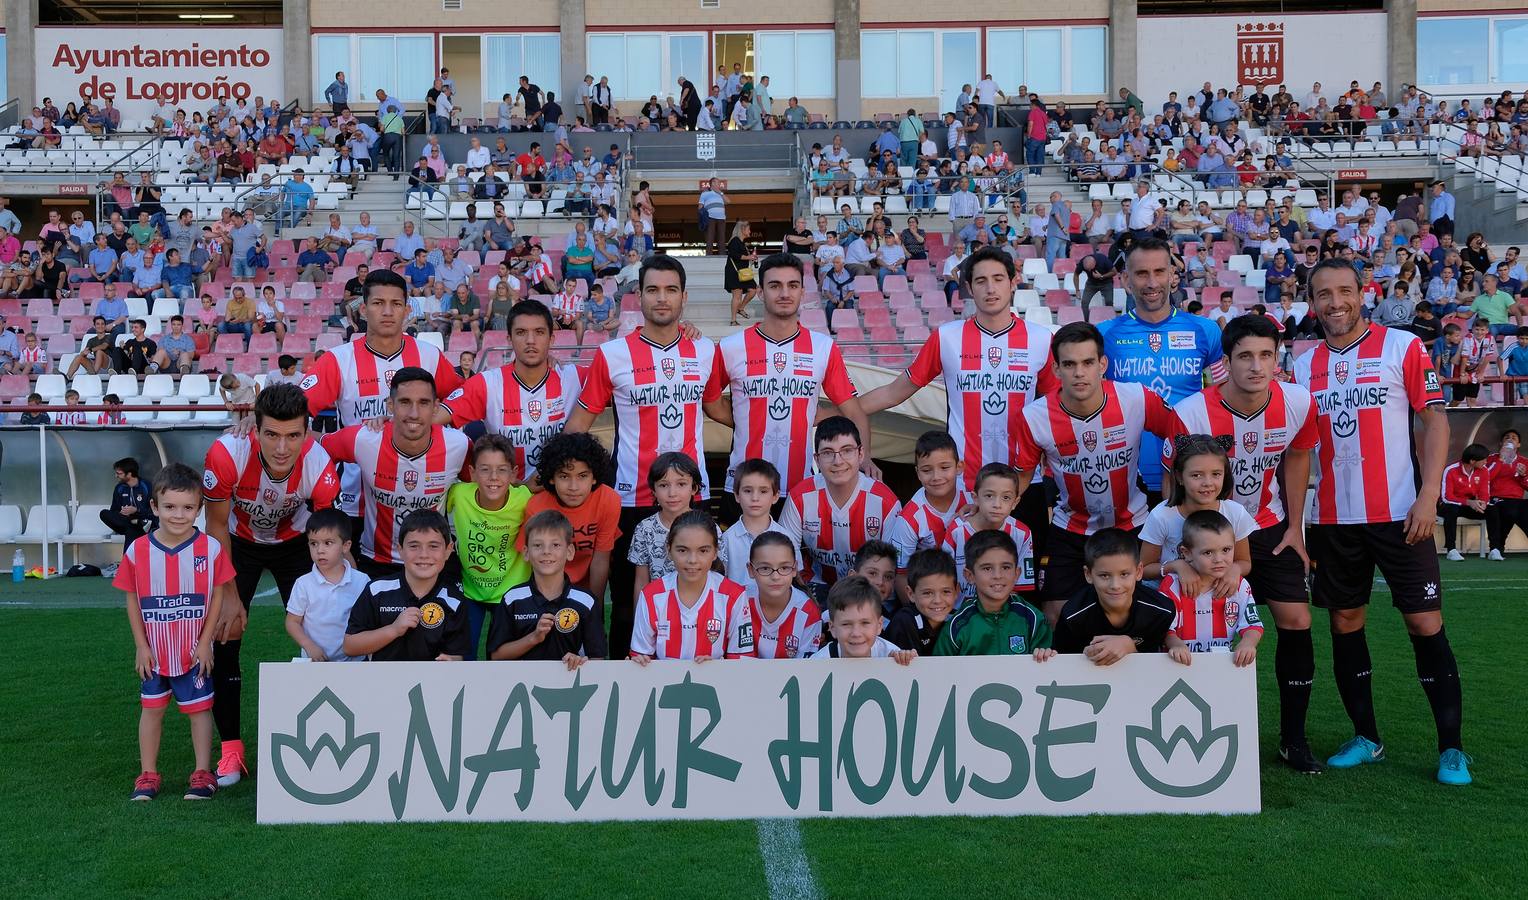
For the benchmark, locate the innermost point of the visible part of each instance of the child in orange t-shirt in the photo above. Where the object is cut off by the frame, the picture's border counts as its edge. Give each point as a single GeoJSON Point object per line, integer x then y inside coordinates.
{"type": "Point", "coordinates": [572, 468]}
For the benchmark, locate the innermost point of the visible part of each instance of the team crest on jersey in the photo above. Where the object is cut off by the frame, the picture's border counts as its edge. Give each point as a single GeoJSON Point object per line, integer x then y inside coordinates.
{"type": "Point", "coordinates": [1154, 341]}
{"type": "Point", "coordinates": [779, 361]}
{"type": "Point", "coordinates": [269, 497]}
{"type": "Point", "coordinates": [1341, 371]}
{"type": "Point", "coordinates": [873, 525]}
{"type": "Point", "coordinates": [1233, 609]}
{"type": "Point", "coordinates": [567, 619]}
{"type": "Point", "coordinates": [432, 614]}
{"type": "Point", "coordinates": [713, 629]}
{"type": "Point", "coordinates": [994, 356]}
{"type": "Point", "coordinates": [199, 563]}
{"type": "Point", "coordinates": [1015, 643]}
{"type": "Point", "coordinates": [792, 645]}
{"type": "Point", "coordinates": [668, 368]}
{"type": "Point", "coordinates": [533, 409]}
{"type": "Point", "coordinates": [410, 480]}
{"type": "Point", "coordinates": [1249, 441]}
{"type": "Point", "coordinates": [1090, 440]}
{"type": "Point", "coordinates": [387, 377]}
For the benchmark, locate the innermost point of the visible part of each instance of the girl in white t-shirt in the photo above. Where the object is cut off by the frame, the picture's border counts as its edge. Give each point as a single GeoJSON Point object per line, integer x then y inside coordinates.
{"type": "Point", "coordinates": [1200, 470]}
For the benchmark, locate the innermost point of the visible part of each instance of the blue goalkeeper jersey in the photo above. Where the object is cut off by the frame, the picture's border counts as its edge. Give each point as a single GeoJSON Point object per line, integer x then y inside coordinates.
{"type": "Point", "coordinates": [1170, 357]}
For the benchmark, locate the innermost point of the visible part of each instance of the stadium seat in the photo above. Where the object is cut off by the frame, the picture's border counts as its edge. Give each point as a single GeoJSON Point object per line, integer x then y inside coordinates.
{"type": "Point", "coordinates": [432, 338]}
{"type": "Point", "coordinates": [124, 385]}
{"type": "Point", "coordinates": [211, 409]}
{"type": "Point", "coordinates": [158, 386]}
{"type": "Point", "coordinates": [56, 527]}
{"type": "Point", "coordinates": [10, 523]}
{"type": "Point", "coordinates": [51, 386]}
{"type": "Point", "coordinates": [194, 386]}
{"type": "Point", "coordinates": [88, 527]}
{"type": "Point", "coordinates": [88, 385]}
{"type": "Point", "coordinates": [172, 415]}
{"type": "Point", "coordinates": [15, 386]}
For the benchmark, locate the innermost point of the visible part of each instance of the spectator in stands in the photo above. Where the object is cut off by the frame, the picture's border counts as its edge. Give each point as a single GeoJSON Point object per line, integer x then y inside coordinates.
{"type": "Point", "coordinates": [271, 314]}
{"type": "Point", "coordinates": [16, 276]}
{"type": "Point", "coordinates": [338, 93]}
{"type": "Point", "coordinates": [177, 279]}
{"type": "Point", "coordinates": [453, 269]}
{"type": "Point", "coordinates": [1057, 230]}
{"type": "Point", "coordinates": [100, 264]}
{"type": "Point", "coordinates": [136, 354]}
{"type": "Point", "coordinates": [313, 264]}
{"type": "Point", "coordinates": [35, 418]}
{"type": "Point", "coordinates": [297, 201]}
{"type": "Point", "coordinates": [130, 514]}
{"type": "Point", "coordinates": [238, 314]}
{"type": "Point", "coordinates": [27, 358]}
{"type": "Point", "coordinates": [177, 350]}
{"type": "Point", "coordinates": [419, 273]}
{"type": "Point", "coordinates": [1496, 307]}
{"type": "Point", "coordinates": [50, 277]}
{"type": "Point", "coordinates": [837, 288]}
{"type": "Point", "coordinates": [464, 312]}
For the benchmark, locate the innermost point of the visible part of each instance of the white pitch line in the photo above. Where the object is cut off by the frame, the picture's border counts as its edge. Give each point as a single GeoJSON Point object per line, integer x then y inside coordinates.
{"type": "Point", "coordinates": [785, 865]}
{"type": "Point", "coordinates": [268, 592]}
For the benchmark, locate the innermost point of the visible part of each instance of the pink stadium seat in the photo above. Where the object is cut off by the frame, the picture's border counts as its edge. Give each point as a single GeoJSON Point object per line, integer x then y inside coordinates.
{"type": "Point", "coordinates": [50, 325]}
{"type": "Point", "coordinates": [872, 300]}
{"type": "Point", "coordinates": [466, 341]}
{"type": "Point", "coordinates": [564, 339]}
{"type": "Point", "coordinates": [38, 307]}
{"type": "Point", "coordinates": [939, 316]}
{"type": "Point", "coordinates": [495, 340]}
{"type": "Point", "coordinates": [877, 317]}
{"type": "Point", "coordinates": [814, 319]}
{"type": "Point", "coordinates": [918, 267]}
{"type": "Point", "coordinates": [307, 326]}
{"type": "Point", "coordinates": [228, 345]}
{"type": "Point", "coordinates": [1057, 299]}
{"type": "Point", "coordinates": [203, 343]}
{"type": "Point", "coordinates": [91, 290]}
{"type": "Point", "coordinates": [1065, 266]}
{"type": "Point", "coordinates": [328, 340]}
{"type": "Point", "coordinates": [263, 344]}
{"type": "Point", "coordinates": [59, 344]}
{"type": "Point", "coordinates": [332, 290]}
{"type": "Point", "coordinates": [11, 309]}
{"type": "Point", "coordinates": [865, 284]}
{"type": "Point", "coordinates": [15, 386]}
{"type": "Point", "coordinates": [1068, 314]}
{"type": "Point", "coordinates": [247, 364]}
{"type": "Point", "coordinates": [844, 318]}
{"type": "Point", "coordinates": [915, 335]}
{"type": "Point", "coordinates": [71, 306]}
{"type": "Point", "coordinates": [891, 357]}
{"type": "Point", "coordinates": [321, 307]}
{"type": "Point", "coordinates": [304, 290]}
{"type": "Point", "coordinates": [1078, 251]}
{"type": "Point", "coordinates": [284, 276]}
{"type": "Point", "coordinates": [1244, 297]}
{"type": "Point", "coordinates": [1028, 251]}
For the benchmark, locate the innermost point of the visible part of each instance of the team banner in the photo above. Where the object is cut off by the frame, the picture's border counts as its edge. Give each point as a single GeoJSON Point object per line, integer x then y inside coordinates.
{"type": "Point", "coordinates": [529, 741]}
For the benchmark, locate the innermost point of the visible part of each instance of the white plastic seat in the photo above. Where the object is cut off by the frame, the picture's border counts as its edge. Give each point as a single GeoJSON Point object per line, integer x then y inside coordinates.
{"type": "Point", "coordinates": [158, 386]}
{"type": "Point", "coordinates": [10, 523]}
{"type": "Point", "coordinates": [194, 386]}
{"type": "Point", "coordinates": [88, 527]}
{"type": "Point", "coordinates": [432, 338]}
{"type": "Point", "coordinates": [88, 385]}
{"type": "Point", "coordinates": [124, 385]}
{"type": "Point", "coordinates": [172, 415]}
{"type": "Point", "coordinates": [165, 308]}
{"type": "Point", "coordinates": [211, 409]}
{"type": "Point", "coordinates": [51, 386]}
{"type": "Point", "coordinates": [1241, 262]}
{"type": "Point", "coordinates": [56, 527]}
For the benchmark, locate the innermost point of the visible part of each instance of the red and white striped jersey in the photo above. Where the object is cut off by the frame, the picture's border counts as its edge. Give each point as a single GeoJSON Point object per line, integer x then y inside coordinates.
{"type": "Point", "coordinates": [68, 416]}
{"type": "Point", "coordinates": [394, 485]}
{"type": "Point", "coordinates": [795, 634]}
{"type": "Point", "coordinates": [657, 392]}
{"type": "Point", "coordinates": [1257, 442]}
{"type": "Point", "coordinates": [775, 387]}
{"type": "Point", "coordinates": [989, 377]}
{"type": "Point", "coordinates": [261, 508]}
{"type": "Point", "coordinates": [526, 414]}
{"type": "Point", "coordinates": [354, 381]}
{"type": "Point", "coordinates": [1461, 487]}
{"type": "Point", "coordinates": [1366, 393]}
{"type": "Point", "coordinates": [1208, 623]}
{"type": "Point", "coordinates": [1095, 458]}
{"type": "Point", "coordinates": [1473, 356]}
{"type": "Point", "coordinates": [542, 270]}
{"type": "Point", "coordinates": [921, 526]}
{"type": "Point", "coordinates": [667, 629]}
{"type": "Point", "coordinates": [960, 532]}
{"type": "Point", "coordinates": [32, 356]}
{"type": "Point", "coordinates": [833, 534]}
{"type": "Point", "coordinates": [566, 305]}
{"type": "Point", "coordinates": [174, 588]}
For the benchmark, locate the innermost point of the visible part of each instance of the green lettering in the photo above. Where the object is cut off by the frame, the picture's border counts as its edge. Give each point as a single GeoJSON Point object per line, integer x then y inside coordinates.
{"type": "Point", "coordinates": [570, 700]}
{"type": "Point", "coordinates": [793, 748]}
{"type": "Point", "coordinates": [872, 691]}
{"type": "Point", "coordinates": [943, 746]}
{"type": "Point", "coordinates": [1058, 788]}
{"type": "Point", "coordinates": [999, 737]}
{"type": "Point", "coordinates": [644, 748]}
{"type": "Point", "coordinates": [687, 697]}
{"type": "Point", "coordinates": [447, 781]}
{"type": "Point", "coordinates": [497, 759]}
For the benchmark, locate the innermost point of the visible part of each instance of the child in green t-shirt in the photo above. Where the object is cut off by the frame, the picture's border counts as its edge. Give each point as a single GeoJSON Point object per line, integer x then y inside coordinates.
{"type": "Point", "coordinates": [486, 515]}
{"type": "Point", "coordinates": [997, 622]}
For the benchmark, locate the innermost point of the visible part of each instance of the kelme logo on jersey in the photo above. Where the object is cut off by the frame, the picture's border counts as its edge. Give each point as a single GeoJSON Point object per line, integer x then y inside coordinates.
{"type": "Point", "coordinates": [668, 368]}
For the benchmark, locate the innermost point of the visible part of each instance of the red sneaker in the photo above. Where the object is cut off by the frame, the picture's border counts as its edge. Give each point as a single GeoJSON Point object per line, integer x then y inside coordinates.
{"type": "Point", "coordinates": [231, 767]}
{"type": "Point", "coordinates": [202, 786]}
{"type": "Point", "coordinates": [146, 787]}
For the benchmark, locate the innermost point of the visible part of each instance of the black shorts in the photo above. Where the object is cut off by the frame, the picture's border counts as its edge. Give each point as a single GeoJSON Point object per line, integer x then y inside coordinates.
{"type": "Point", "coordinates": [1272, 577]}
{"type": "Point", "coordinates": [286, 561]}
{"type": "Point", "coordinates": [1344, 557]}
{"type": "Point", "coordinates": [1061, 576]}
{"type": "Point", "coordinates": [377, 571]}
{"type": "Point", "coordinates": [1466, 390]}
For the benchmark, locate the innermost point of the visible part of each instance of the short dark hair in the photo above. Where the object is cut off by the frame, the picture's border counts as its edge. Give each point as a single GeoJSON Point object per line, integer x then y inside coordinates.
{"type": "Point", "coordinates": [694, 518]}
{"type": "Point", "coordinates": [997, 470]}
{"type": "Point", "coordinates": [566, 448]}
{"type": "Point", "coordinates": [328, 519]}
{"type": "Point", "coordinates": [424, 520]}
{"type": "Point", "coordinates": [986, 253]}
{"type": "Point", "coordinates": [989, 539]}
{"type": "Point", "coordinates": [380, 277]}
{"type": "Point", "coordinates": [929, 564]}
{"type": "Point", "coordinates": [761, 467]}
{"type": "Point", "coordinates": [780, 261]}
{"type": "Point", "coordinates": [493, 442]}
{"type": "Point", "coordinates": [177, 477]}
{"type": "Point", "coordinates": [128, 465]}
{"type": "Point", "coordinates": [284, 361]}
{"type": "Point", "coordinates": [1331, 263]}
{"type": "Point", "coordinates": [770, 539]}
{"type": "Point", "coordinates": [1201, 522]}
{"type": "Point", "coordinates": [932, 441]}
{"type": "Point", "coordinates": [853, 591]}
{"type": "Point", "coordinates": [409, 374]}
{"type": "Point", "coordinates": [874, 550]}
{"type": "Point", "coordinates": [281, 402]}
{"type": "Point", "coordinates": [1152, 244]}
{"type": "Point", "coordinates": [660, 262]}
{"type": "Point", "coordinates": [549, 520]}
{"type": "Point", "coordinates": [532, 308]}
{"type": "Point", "coordinates": [1076, 333]}
{"type": "Point", "coordinates": [673, 461]}
{"type": "Point", "coordinates": [1474, 453]}
{"type": "Point", "coordinates": [836, 427]}
{"type": "Point", "coordinates": [1243, 327]}
{"type": "Point", "coordinates": [1109, 542]}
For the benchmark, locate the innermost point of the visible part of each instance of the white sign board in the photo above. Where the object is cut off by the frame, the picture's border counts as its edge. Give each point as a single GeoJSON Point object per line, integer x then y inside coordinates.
{"type": "Point", "coordinates": [138, 68]}
{"type": "Point", "coordinates": [705, 145]}
{"type": "Point", "coordinates": [1181, 53]}
{"type": "Point", "coordinates": [527, 741]}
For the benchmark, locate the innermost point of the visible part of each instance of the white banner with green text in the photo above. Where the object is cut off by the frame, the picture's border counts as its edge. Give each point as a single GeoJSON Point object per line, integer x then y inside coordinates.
{"type": "Point", "coordinates": [495, 741]}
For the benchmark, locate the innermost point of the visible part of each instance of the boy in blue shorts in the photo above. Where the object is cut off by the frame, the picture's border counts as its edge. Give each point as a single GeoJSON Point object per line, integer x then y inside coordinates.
{"type": "Point", "coordinates": [175, 578]}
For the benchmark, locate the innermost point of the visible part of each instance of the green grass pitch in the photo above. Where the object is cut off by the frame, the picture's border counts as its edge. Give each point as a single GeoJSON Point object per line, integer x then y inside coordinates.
{"type": "Point", "coordinates": [69, 755]}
